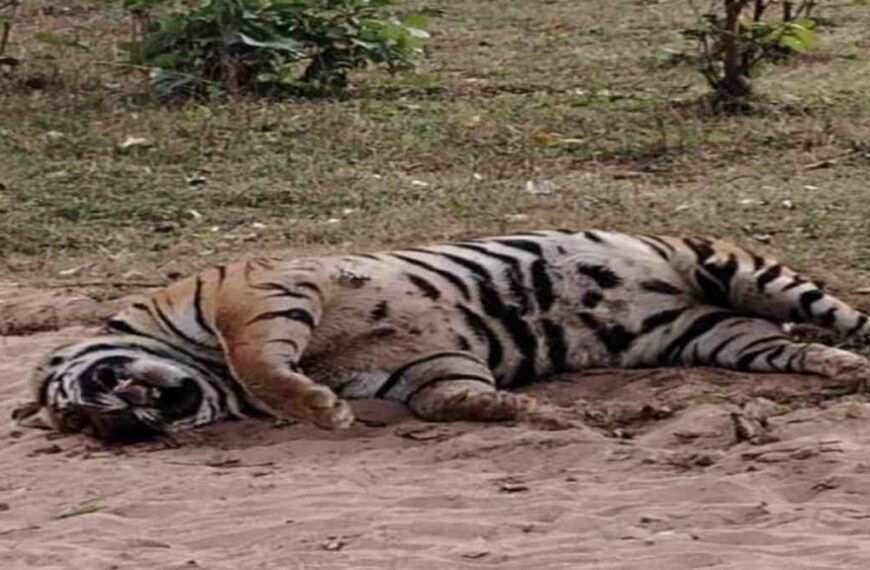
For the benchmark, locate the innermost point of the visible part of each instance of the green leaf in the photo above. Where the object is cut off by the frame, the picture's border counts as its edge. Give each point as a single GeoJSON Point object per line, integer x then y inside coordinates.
{"type": "Point", "coordinates": [805, 36]}
{"type": "Point", "coordinates": [804, 22]}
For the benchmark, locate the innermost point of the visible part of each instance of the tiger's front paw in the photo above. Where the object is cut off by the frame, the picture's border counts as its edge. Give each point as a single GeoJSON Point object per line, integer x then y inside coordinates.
{"type": "Point", "coordinates": [325, 409]}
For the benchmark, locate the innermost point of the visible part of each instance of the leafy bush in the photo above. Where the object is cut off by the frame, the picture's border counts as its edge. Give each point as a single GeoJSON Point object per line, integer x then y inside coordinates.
{"type": "Point", "coordinates": [737, 37]}
{"type": "Point", "coordinates": [243, 46]}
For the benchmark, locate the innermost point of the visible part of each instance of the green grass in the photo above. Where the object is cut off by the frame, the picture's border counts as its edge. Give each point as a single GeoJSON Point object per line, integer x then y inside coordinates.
{"type": "Point", "coordinates": [511, 91]}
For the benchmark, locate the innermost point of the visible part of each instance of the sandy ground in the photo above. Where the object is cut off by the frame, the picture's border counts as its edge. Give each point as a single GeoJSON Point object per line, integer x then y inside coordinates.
{"type": "Point", "coordinates": [664, 485]}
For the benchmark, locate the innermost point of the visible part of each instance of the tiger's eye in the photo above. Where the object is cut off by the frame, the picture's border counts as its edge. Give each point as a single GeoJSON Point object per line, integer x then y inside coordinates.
{"type": "Point", "coordinates": [107, 376]}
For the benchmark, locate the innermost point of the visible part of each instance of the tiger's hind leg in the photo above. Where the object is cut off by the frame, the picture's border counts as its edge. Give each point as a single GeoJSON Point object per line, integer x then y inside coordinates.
{"type": "Point", "coordinates": [453, 386]}
{"type": "Point", "coordinates": [715, 337]}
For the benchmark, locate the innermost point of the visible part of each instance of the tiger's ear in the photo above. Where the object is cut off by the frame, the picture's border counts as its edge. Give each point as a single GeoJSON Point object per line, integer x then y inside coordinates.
{"type": "Point", "coordinates": [31, 415]}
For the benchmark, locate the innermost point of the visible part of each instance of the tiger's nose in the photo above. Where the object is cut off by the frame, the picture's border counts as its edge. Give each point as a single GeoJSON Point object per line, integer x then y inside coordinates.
{"type": "Point", "coordinates": [132, 393]}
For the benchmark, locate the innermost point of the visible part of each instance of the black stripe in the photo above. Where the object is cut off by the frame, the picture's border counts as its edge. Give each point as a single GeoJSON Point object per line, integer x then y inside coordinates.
{"type": "Point", "coordinates": [175, 330]}
{"type": "Point", "coordinates": [542, 285]}
{"type": "Point", "coordinates": [216, 367]}
{"type": "Point", "coordinates": [789, 365]}
{"type": "Point", "coordinates": [757, 261]}
{"type": "Point", "coordinates": [313, 287]}
{"type": "Point", "coordinates": [135, 348]}
{"type": "Point", "coordinates": [197, 308]}
{"type": "Point", "coordinates": [478, 248]}
{"type": "Point", "coordinates": [396, 375]}
{"type": "Point", "coordinates": [298, 315]}
{"type": "Point", "coordinates": [462, 343]}
{"type": "Point", "coordinates": [769, 275]}
{"type": "Point", "coordinates": [526, 245]}
{"type": "Point", "coordinates": [509, 316]}
{"type": "Point", "coordinates": [61, 389]}
{"type": "Point", "coordinates": [716, 287]}
{"type": "Point", "coordinates": [738, 322]}
{"type": "Point", "coordinates": [763, 340]}
{"type": "Point", "coordinates": [519, 331]}
{"type": "Point", "coordinates": [282, 290]}
{"type": "Point", "coordinates": [514, 273]}
{"type": "Point", "coordinates": [745, 361]}
{"type": "Point", "coordinates": [472, 266]}
{"type": "Point", "coordinates": [660, 286]}
{"type": "Point", "coordinates": [616, 338]}
{"type": "Point", "coordinates": [603, 276]}
{"type": "Point", "coordinates": [147, 310]}
{"type": "Point", "coordinates": [121, 326]}
{"type": "Point", "coordinates": [699, 327]}
{"type": "Point", "coordinates": [701, 247]}
{"type": "Point", "coordinates": [807, 300]}
{"type": "Point", "coordinates": [724, 273]}
{"type": "Point", "coordinates": [592, 236]}
{"type": "Point", "coordinates": [828, 318]}
{"type": "Point", "coordinates": [222, 274]}
{"type": "Point", "coordinates": [659, 319]}
{"type": "Point", "coordinates": [714, 354]}
{"type": "Point", "coordinates": [429, 291]}
{"type": "Point", "coordinates": [448, 378]}
{"type": "Point", "coordinates": [795, 282]}
{"type": "Point", "coordinates": [590, 320]}
{"type": "Point", "coordinates": [653, 246]}
{"type": "Point", "coordinates": [862, 320]}
{"type": "Point", "coordinates": [591, 299]}
{"type": "Point", "coordinates": [776, 354]}
{"type": "Point", "coordinates": [661, 242]}
{"type": "Point", "coordinates": [380, 312]}
{"type": "Point", "coordinates": [712, 290]}
{"type": "Point", "coordinates": [483, 331]}
{"type": "Point", "coordinates": [42, 396]}
{"type": "Point", "coordinates": [447, 275]}
{"type": "Point", "coordinates": [557, 348]}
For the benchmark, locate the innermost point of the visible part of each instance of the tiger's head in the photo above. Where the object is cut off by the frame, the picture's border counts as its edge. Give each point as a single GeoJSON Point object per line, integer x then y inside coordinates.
{"type": "Point", "coordinates": [124, 388]}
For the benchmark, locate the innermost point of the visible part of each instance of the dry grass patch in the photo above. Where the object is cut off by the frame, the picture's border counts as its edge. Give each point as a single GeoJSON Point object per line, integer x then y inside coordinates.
{"type": "Point", "coordinates": [569, 96]}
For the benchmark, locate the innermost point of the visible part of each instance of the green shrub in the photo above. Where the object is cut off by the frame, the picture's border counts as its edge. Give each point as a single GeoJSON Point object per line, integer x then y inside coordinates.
{"type": "Point", "coordinates": [268, 46]}
{"type": "Point", "coordinates": [740, 35]}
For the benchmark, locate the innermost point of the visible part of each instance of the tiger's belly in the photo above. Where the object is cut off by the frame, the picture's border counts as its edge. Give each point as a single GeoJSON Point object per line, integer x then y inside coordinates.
{"type": "Point", "coordinates": [591, 318]}
{"type": "Point", "coordinates": [352, 351]}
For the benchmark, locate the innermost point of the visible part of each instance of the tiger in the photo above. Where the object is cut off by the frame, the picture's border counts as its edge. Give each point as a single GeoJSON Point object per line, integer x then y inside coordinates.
{"type": "Point", "coordinates": [445, 329]}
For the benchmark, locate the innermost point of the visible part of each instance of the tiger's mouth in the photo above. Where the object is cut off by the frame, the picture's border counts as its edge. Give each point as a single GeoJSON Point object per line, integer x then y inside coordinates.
{"type": "Point", "coordinates": [147, 411]}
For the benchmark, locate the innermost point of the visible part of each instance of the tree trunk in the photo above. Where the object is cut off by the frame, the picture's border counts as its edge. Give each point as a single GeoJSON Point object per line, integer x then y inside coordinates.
{"type": "Point", "coordinates": [734, 84]}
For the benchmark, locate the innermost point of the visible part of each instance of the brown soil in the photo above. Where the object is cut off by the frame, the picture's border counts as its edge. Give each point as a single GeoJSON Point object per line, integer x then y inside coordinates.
{"type": "Point", "coordinates": [659, 481]}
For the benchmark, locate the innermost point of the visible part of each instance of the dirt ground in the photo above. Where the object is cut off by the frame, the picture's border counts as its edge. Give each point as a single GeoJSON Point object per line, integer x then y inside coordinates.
{"type": "Point", "coordinates": [658, 480]}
